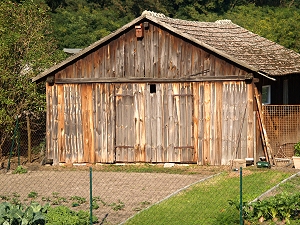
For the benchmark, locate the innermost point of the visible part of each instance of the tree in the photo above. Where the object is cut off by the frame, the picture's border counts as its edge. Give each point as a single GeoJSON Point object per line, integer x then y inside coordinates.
{"type": "Point", "coordinates": [26, 49]}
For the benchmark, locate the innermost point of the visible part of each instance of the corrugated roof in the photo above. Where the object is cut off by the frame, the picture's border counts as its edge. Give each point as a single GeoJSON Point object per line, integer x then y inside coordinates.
{"type": "Point", "coordinates": [222, 37]}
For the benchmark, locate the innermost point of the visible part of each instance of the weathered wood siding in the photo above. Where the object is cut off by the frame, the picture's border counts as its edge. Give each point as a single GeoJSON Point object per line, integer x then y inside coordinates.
{"type": "Point", "coordinates": [203, 122]}
{"type": "Point", "coordinates": [159, 54]}
{"type": "Point", "coordinates": [150, 99]}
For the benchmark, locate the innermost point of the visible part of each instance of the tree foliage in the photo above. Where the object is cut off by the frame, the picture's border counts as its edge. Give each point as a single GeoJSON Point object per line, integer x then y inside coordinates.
{"type": "Point", "coordinates": [78, 23]}
{"type": "Point", "coordinates": [25, 50]}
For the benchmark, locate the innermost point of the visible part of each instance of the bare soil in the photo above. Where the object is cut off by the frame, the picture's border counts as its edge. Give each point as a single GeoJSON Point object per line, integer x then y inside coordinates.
{"type": "Point", "coordinates": [119, 195]}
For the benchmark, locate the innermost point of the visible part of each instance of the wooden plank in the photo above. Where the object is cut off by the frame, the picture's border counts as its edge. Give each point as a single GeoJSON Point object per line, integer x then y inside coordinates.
{"type": "Point", "coordinates": [78, 121]}
{"type": "Point", "coordinates": [49, 121]}
{"type": "Point", "coordinates": [154, 55]}
{"type": "Point", "coordinates": [61, 142]}
{"type": "Point", "coordinates": [139, 58]}
{"type": "Point", "coordinates": [171, 125]}
{"type": "Point", "coordinates": [96, 63]}
{"type": "Point", "coordinates": [244, 133]}
{"type": "Point", "coordinates": [118, 91]}
{"type": "Point", "coordinates": [176, 118]}
{"type": "Point", "coordinates": [164, 88]}
{"type": "Point", "coordinates": [153, 119]}
{"type": "Point", "coordinates": [207, 125]}
{"type": "Point", "coordinates": [159, 123]}
{"type": "Point", "coordinates": [66, 123]}
{"type": "Point", "coordinates": [120, 69]}
{"type": "Point", "coordinates": [195, 120]}
{"type": "Point", "coordinates": [130, 79]}
{"type": "Point", "coordinates": [129, 122]}
{"type": "Point", "coordinates": [190, 126]}
{"type": "Point", "coordinates": [226, 120]}
{"type": "Point", "coordinates": [231, 130]}
{"type": "Point", "coordinates": [55, 118]}
{"type": "Point", "coordinates": [212, 141]}
{"type": "Point", "coordinates": [148, 144]}
{"type": "Point", "coordinates": [111, 123]}
{"type": "Point", "coordinates": [89, 65]}
{"type": "Point", "coordinates": [201, 159]}
{"type": "Point", "coordinates": [163, 53]}
{"type": "Point", "coordinates": [147, 57]}
{"type": "Point", "coordinates": [113, 59]}
{"type": "Point", "coordinates": [218, 123]}
{"type": "Point", "coordinates": [79, 69]}
{"type": "Point", "coordinates": [102, 64]}
{"type": "Point", "coordinates": [131, 56]}
{"type": "Point", "coordinates": [69, 71]}
{"type": "Point", "coordinates": [87, 120]}
{"type": "Point", "coordinates": [139, 113]}
{"type": "Point", "coordinates": [137, 122]}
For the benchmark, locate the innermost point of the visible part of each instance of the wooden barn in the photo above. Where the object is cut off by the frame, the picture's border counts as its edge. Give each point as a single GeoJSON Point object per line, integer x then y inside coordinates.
{"type": "Point", "coordinates": [165, 90]}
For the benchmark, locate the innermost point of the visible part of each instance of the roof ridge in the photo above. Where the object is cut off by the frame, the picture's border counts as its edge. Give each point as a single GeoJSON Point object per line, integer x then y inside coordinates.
{"type": "Point", "coordinates": [163, 16]}
{"type": "Point", "coordinates": [224, 21]}
{"type": "Point", "coordinates": [154, 14]}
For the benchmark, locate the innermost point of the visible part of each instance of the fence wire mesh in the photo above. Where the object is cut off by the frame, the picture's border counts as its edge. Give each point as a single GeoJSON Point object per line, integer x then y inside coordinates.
{"type": "Point", "coordinates": [138, 193]}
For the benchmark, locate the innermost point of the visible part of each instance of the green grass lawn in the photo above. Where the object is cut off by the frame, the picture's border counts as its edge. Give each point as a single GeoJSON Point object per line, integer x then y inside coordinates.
{"type": "Point", "coordinates": [207, 202]}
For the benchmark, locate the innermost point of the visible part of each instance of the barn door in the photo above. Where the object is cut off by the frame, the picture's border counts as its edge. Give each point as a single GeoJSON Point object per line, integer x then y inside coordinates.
{"type": "Point", "coordinates": [154, 123]}
{"type": "Point", "coordinates": [124, 123]}
{"type": "Point", "coordinates": [181, 124]}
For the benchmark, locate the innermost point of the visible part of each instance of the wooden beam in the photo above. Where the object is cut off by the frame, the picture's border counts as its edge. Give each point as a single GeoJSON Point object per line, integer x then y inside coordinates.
{"type": "Point", "coordinates": [150, 80]}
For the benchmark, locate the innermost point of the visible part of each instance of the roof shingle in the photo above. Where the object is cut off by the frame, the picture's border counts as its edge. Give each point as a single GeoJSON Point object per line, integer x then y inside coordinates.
{"type": "Point", "coordinates": [241, 44]}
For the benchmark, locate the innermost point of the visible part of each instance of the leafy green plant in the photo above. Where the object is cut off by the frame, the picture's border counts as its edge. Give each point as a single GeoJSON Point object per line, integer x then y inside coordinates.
{"type": "Point", "coordinates": [4, 197]}
{"type": "Point", "coordinates": [297, 149]}
{"type": "Point", "coordinates": [64, 215]}
{"type": "Point", "coordinates": [117, 206]}
{"type": "Point", "coordinates": [20, 170]}
{"type": "Point", "coordinates": [32, 195]}
{"type": "Point", "coordinates": [77, 201]}
{"type": "Point", "coordinates": [18, 214]}
{"type": "Point", "coordinates": [57, 200]}
{"type": "Point", "coordinates": [282, 207]}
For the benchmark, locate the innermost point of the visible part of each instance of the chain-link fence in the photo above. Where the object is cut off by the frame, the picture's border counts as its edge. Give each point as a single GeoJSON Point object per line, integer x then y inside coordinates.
{"type": "Point", "coordinates": [26, 143]}
{"type": "Point", "coordinates": [146, 194]}
{"type": "Point", "coordinates": [142, 193]}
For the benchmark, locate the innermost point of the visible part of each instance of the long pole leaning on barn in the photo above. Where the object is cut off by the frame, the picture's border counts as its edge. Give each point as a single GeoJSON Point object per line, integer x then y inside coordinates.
{"type": "Point", "coordinates": [267, 146]}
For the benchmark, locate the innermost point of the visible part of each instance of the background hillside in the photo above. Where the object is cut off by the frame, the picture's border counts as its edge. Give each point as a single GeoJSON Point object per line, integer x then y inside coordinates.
{"type": "Point", "coordinates": [78, 23]}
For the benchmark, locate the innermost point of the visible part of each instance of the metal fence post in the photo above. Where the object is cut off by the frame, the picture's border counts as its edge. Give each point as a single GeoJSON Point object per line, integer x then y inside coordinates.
{"type": "Point", "coordinates": [241, 196]}
{"type": "Point", "coordinates": [91, 197]}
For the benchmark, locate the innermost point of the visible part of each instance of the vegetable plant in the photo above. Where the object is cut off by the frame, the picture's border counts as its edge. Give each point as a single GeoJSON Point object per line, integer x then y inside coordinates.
{"type": "Point", "coordinates": [297, 149]}
{"type": "Point", "coordinates": [18, 214]}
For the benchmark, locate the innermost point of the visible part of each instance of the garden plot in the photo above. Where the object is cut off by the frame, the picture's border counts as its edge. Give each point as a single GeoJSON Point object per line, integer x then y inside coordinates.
{"type": "Point", "coordinates": [117, 195]}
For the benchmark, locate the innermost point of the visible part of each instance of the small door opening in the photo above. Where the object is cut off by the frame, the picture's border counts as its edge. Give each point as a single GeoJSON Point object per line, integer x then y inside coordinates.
{"type": "Point", "coordinates": [152, 88]}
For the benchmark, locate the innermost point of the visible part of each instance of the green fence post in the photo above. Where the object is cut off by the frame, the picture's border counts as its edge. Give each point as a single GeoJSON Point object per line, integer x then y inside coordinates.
{"type": "Point", "coordinates": [18, 142]}
{"type": "Point", "coordinates": [91, 197]}
{"type": "Point", "coordinates": [13, 143]}
{"type": "Point", "coordinates": [241, 196]}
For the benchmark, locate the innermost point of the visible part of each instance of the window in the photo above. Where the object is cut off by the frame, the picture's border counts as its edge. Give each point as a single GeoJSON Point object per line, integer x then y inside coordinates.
{"type": "Point", "coordinates": [266, 94]}
{"type": "Point", "coordinates": [152, 88]}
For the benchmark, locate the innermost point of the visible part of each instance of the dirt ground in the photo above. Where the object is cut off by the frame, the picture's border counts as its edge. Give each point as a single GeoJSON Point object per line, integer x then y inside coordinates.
{"type": "Point", "coordinates": [119, 195]}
